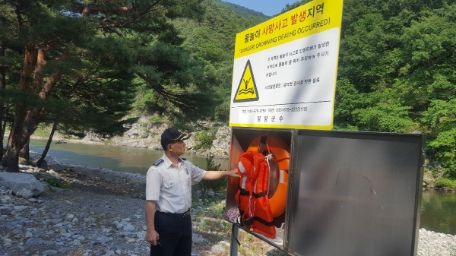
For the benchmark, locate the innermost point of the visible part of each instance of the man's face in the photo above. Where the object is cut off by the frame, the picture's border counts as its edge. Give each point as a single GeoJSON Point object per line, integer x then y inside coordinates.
{"type": "Point", "coordinates": [177, 148]}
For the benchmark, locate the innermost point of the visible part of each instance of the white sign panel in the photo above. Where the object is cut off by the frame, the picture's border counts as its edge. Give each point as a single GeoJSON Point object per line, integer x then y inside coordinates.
{"type": "Point", "coordinates": [285, 69]}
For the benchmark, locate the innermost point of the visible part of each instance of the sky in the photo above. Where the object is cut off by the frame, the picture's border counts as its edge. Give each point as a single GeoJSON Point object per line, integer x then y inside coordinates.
{"type": "Point", "coordinates": [267, 7]}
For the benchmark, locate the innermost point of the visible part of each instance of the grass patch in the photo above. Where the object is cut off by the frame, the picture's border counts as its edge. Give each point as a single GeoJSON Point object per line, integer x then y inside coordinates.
{"type": "Point", "coordinates": [108, 142]}
{"type": "Point", "coordinates": [157, 120]}
{"type": "Point", "coordinates": [57, 183]}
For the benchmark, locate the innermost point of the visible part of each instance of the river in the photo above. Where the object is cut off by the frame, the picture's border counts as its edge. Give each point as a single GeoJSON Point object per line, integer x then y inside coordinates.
{"type": "Point", "coordinates": [124, 159]}
{"type": "Point", "coordinates": [437, 208]}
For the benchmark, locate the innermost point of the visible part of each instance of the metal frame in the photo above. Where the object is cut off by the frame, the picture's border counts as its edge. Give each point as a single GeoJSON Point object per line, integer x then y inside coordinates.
{"type": "Point", "coordinates": [387, 141]}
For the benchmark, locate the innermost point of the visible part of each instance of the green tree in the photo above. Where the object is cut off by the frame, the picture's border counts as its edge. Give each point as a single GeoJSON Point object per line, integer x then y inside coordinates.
{"type": "Point", "coordinates": [397, 71]}
{"type": "Point", "coordinates": [81, 58]}
{"type": "Point", "coordinates": [427, 80]}
{"type": "Point", "coordinates": [440, 119]}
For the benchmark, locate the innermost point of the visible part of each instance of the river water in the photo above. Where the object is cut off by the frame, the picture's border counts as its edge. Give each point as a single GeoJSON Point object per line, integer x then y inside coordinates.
{"type": "Point", "coordinates": [437, 208]}
{"type": "Point", "coordinates": [124, 159]}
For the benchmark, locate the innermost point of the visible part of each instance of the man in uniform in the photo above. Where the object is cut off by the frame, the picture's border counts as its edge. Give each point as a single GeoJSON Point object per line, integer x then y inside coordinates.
{"type": "Point", "coordinates": [169, 197]}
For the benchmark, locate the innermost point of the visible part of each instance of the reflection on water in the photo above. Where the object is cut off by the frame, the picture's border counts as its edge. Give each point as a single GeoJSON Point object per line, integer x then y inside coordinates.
{"type": "Point", "coordinates": [437, 209]}
{"type": "Point", "coordinates": [124, 159]}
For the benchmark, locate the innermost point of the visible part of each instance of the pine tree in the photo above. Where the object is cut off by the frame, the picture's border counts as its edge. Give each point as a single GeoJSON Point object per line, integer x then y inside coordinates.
{"type": "Point", "coordinates": [80, 60]}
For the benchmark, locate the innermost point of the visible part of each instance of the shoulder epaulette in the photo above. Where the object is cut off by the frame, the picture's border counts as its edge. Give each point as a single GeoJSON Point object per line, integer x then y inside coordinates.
{"type": "Point", "coordinates": [159, 162]}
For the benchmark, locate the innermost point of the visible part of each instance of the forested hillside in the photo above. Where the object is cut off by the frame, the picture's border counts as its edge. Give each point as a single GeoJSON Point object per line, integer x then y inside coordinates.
{"type": "Point", "coordinates": [83, 65]}
{"type": "Point", "coordinates": [209, 41]}
{"type": "Point", "coordinates": [397, 72]}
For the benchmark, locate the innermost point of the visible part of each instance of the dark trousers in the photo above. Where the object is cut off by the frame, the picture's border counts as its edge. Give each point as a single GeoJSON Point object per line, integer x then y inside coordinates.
{"type": "Point", "coordinates": [175, 234]}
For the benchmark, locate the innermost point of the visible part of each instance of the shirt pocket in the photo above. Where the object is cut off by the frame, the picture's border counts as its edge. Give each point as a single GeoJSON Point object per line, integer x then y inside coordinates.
{"type": "Point", "coordinates": [169, 183]}
{"type": "Point", "coordinates": [188, 178]}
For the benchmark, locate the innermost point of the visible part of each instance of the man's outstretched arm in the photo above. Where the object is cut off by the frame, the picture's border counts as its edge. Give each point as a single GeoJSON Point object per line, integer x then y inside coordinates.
{"type": "Point", "coordinates": [215, 175]}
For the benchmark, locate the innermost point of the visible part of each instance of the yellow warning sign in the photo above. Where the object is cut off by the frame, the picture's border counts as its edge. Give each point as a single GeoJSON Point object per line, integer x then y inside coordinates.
{"type": "Point", "coordinates": [247, 90]}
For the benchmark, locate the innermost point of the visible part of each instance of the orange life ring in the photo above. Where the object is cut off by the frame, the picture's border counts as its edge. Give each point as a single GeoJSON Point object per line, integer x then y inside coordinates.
{"type": "Point", "coordinates": [280, 150]}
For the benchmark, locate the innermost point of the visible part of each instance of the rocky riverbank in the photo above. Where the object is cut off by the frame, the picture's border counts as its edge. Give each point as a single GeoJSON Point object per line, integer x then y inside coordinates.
{"type": "Point", "coordinates": [146, 134]}
{"type": "Point", "coordinates": [101, 212]}
{"type": "Point", "coordinates": [98, 212]}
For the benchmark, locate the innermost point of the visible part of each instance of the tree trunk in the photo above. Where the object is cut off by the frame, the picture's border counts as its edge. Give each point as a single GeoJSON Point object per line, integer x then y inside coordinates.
{"type": "Point", "coordinates": [12, 160]}
{"type": "Point", "coordinates": [27, 120]}
{"type": "Point", "coordinates": [18, 135]}
{"type": "Point", "coordinates": [40, 63]}
{"type": "Point", "coordinates": [4, 126]}
{"type": "Point", "coordinates": [48, 145]}
{"type": "Point", "coordinates": [2, 106]}
{"type": "Point", "coordinates": [25, 151]}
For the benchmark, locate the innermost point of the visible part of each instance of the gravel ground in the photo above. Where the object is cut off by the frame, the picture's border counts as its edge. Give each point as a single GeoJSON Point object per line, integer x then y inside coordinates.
{"type": "Point", "coordinates": [94, 212]}
{"type": "Point", "coordinates": [103, 214]}
{"type": "Point", "coordinates": [100, 215]}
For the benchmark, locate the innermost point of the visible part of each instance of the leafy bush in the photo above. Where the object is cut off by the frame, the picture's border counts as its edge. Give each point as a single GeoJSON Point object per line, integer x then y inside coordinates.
{"type": "Point", "coordinates": [442, 140]}
{"type": "Point", "coordinates": [214, 185]}
{"type": "Point", "coordinates": [444, 183]}
{"type": "Point", "coordinates": [204, 139]}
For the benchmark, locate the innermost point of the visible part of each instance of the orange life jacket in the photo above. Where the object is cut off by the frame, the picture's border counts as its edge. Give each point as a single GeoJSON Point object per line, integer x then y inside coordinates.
{"type": "Point", "coordinates": [252, 196]}
{"type": "Point", "coordinates": [257, 208]}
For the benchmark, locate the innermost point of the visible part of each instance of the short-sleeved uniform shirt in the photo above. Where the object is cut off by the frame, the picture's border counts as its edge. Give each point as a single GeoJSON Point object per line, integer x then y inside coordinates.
{"type": "Point", "coordinates": [171, 186]}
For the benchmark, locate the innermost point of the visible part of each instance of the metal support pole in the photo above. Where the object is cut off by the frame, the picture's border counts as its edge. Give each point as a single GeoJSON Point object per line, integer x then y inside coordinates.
{"type": "Point", "coordinates": [234, 241]}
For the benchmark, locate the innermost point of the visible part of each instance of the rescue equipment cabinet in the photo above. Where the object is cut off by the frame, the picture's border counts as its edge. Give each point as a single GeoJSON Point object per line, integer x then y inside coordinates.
{"type": "Point", "coordinates": [347, 193]}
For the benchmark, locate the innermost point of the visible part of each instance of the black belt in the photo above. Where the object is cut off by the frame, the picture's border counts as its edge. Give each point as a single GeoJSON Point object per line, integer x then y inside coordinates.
{"type": "Point", "coordinates": [177, 215]}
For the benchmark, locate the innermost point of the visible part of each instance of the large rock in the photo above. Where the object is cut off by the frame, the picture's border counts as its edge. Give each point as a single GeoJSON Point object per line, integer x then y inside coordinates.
{"type": "Point", "coordinates": [428, 180]}
{"type": "Point", "coordinates": [22, 184]}
{"type": "Point", "coordinates": [146, 133]}
{"type": "Point", "coordinates": [222, 142]}
{"type": "Point", "coordinates": [142, 134]}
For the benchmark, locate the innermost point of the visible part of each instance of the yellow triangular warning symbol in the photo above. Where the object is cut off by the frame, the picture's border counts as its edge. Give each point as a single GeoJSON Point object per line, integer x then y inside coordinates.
{"type": "Point", "coordinates": [247, 90]}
